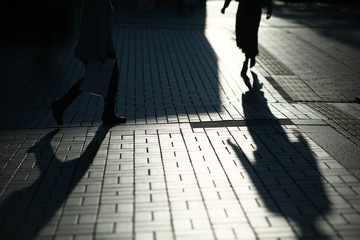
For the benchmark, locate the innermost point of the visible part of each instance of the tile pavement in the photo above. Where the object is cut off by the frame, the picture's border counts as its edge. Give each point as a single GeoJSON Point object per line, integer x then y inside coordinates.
{"type": "Point", "coordinates": [158, 176]}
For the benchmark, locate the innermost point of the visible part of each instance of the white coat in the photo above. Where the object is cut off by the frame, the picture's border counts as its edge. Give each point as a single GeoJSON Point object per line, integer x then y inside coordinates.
{"type": "Point", "coordinates": [95, 29]}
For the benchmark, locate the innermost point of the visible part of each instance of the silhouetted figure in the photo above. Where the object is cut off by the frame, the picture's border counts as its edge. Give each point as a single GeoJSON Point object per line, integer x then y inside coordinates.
{"type": "Point", "coordinates": [95, 43]}
{"type": "Point", "coordinates": [247, 25]}
{"type": "Point", "coordinates": [299, 194]}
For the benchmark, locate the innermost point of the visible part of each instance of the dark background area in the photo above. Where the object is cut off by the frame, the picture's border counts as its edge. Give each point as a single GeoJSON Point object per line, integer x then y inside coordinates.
{"type": "Point", "coordinates": [31, 15]}
{"type": "Point", "coordinates": [59, 15]}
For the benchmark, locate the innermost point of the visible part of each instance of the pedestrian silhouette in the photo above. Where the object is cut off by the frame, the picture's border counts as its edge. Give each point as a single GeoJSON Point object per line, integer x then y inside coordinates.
{"type": "Point", "coordinates": [94, 44]}
{"type": "Point", "coordinates": [26, 212]}
{"type": "Point", "coordinates": [292, 186]}
{"type": "Point", "coordinates": [248, 17]}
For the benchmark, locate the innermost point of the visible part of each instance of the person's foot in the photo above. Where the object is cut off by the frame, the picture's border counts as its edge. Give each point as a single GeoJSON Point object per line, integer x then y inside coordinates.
{"type": "Point", "coordinates": [252, 62]}
{"type": "Point", "coordinates": [58, 111]}
{"type": "Point", "coordinates": [112, 119]}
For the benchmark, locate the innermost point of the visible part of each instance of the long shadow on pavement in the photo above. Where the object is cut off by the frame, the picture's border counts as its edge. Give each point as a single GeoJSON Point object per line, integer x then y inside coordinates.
{"type": "Point", "coordinates": [285, 173]}
{"type": "Point", "coordinates": [167, 64]}
{"type": "Point", "coordinates": [26, 212]}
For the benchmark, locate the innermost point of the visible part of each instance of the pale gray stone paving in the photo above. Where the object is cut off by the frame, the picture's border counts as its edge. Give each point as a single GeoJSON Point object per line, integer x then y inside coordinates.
{"type": "Point", "coordinates": [345, 123]}
{"type": "Point", "coordinates": [320, 78]}
{"type": "Point", "coordinates": [296, 88]}
{"type": "Point", "coordinates": [271, 64]}
{"type": "Point", "coordinates": [326, 76]}
{"type": "Point", "coordinates": [156, 177]}
{"type": "Point", "coordinates": [169, 183]}
{"type": "Point", "coordinates": [352, 109]}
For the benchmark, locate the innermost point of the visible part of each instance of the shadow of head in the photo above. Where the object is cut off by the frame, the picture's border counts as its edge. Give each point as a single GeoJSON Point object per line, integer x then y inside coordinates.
{"type": "Point", "coordinates": [50, 190]}
{"type": "Point", "coordinates": [286, 175]}
{"type": "Point", "coordinates": [44, 142]}
{"type": "Point", "coordinates": [298, 198]}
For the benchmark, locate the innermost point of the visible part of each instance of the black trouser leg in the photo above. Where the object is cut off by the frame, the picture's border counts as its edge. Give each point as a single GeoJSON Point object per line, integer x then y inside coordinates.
{"type": "Point", "coordinates": [111, 93]}
{"type": "Point", "coordinates": [110, 97]}
{"type": "Point", "coordinates": [72, 94]}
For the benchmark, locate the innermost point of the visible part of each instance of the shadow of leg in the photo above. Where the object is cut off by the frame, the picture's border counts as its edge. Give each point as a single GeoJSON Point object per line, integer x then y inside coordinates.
{"type": "Point", "coordinates": [245, 77]}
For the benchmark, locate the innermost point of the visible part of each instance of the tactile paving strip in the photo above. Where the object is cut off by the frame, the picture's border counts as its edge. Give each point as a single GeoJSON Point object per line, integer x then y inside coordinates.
{"type": "Point", "coordinates": [271, 64]}
{"type": "Point", "coordinates": [345, 123]}
{"type": "Point", "coordinates": [235, 123]}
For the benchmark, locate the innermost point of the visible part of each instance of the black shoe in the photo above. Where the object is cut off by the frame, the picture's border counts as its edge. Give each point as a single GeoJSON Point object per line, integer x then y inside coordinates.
{"type": "Point", "coordinates": [58, 111]}
{"type": "Point", "coordinates": [112, 119]}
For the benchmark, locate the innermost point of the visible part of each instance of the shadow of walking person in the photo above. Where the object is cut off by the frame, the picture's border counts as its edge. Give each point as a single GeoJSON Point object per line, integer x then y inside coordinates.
{"type": "Point", "coordinates": [25, 213]}
{"type": "Point", "coordinates": [284, 172]}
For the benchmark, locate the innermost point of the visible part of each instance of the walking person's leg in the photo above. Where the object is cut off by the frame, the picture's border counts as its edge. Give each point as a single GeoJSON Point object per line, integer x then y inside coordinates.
{"type": "Point", "coordinates": [59, 106]}
{"type": "Point", "coordinates": [255, 17]}
{"type": "Point", "coordinates": [241, 30]}
{"type": "Point", "coordinates": [110, 98]}
{"type": "Point", "coordinates": [245, 65]}
{"type": "Point", "coordinates": [109, 116]}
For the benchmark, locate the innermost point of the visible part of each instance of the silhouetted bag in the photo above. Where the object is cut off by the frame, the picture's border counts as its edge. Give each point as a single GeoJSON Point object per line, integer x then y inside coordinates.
{"type": "Point", "coordinates": [97, 77]}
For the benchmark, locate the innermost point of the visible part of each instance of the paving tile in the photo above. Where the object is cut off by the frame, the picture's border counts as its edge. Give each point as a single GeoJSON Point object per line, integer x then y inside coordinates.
{"type": "Point", "coordinates": [156, 177]}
